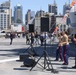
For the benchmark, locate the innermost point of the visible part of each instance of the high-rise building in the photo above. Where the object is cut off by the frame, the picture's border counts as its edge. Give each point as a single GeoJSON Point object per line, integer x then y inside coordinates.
{"type": "Point", "coordinates": [18, 14]}
{"type": "Point", "coordinates": [52, 23]}
{"type": "Point", "coordinates": [29, 15]}
{"type": "Point", "coordinates": [52, 8]}
{"type": "Point", "coordinates": [66, 8]}
{"type": "Point", "coordinates": [40, 13]}
{"type": "Point", "coordinates": [32, 14]}
{"type": "Point", "coordinates": [5, 15]}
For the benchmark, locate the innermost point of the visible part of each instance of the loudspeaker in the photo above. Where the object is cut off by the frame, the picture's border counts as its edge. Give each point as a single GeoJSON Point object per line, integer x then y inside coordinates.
{"type": "Point", "coordinates": [44, 24]}
{"type": "Point", "coordinates": [31, 28]}
{"type": "Point", "coordinates": [22, 56]}
{"type": "Point", "coordinates": [29, 62]}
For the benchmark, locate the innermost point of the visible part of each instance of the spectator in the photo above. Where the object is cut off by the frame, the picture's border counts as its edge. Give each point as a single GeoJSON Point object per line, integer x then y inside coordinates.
{"type": "Point", "coordinates": [36, 38]}
{"type": "Point", "coordinates": [11, 38]}
{"type": "Point", "coordinates": [42, 38]}
{"type": "Point", "coordinates": [32, 38]}
{"type": "Point", "coordinates": [27, 39]}
{"type": "Point", "coordinates": [74, 41]}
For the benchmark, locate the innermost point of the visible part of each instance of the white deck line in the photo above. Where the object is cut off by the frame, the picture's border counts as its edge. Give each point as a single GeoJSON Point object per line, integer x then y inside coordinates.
{"type": "Point", "coordinates": [8, 60]}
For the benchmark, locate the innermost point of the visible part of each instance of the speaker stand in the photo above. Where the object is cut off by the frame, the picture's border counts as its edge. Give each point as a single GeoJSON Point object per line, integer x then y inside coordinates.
{"type": "Point", "coordinates": [46, 60]}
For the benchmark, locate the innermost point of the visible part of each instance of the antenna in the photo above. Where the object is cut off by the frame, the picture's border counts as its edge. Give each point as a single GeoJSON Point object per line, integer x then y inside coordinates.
{"type": "Point", "coordinates": [54, 2]}
{"type": "Point", "coordinates": [69, 2]}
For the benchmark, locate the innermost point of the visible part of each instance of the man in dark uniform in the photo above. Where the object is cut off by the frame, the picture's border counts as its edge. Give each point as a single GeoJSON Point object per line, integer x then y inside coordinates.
{"type": "Point", "coordinates": [74, 41]}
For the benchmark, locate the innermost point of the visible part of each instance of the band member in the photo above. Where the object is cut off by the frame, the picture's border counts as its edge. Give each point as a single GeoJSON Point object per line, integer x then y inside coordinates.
{"type": "Point", "coordinates": [65, 44]}
{"type": "Point", "coordinates": [74, 41]}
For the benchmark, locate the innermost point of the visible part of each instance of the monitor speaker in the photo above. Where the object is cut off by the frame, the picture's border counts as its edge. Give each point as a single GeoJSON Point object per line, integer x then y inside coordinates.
{"type": "Point", "coordinates": [44, 24]}
{"type": "Point", "coordinates": [31, 28]}
{"type": "Point", "coordinates": [29, 62]}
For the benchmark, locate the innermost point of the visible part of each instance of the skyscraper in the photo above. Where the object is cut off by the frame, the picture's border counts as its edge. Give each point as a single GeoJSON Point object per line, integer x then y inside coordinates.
{"type": "Point", "coordinates": [5, 15]}
{"type": "Point", "coordinates": [40, 13]}
{"type": "Point", "coordinates": [52, 8]}
{"type": "Point", "coordinates": [66, 8]}
{"type": "Point", "coordinates": [29, 15]}
{"type": "Point", "coordinates": [32, 14]}
{"type": "Point", "coordinates": [18, 14]}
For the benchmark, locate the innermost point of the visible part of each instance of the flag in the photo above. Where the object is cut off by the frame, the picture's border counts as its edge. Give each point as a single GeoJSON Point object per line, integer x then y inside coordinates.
{"type": "Point", "coordinates": [56, 29]}
{"type": "Point", "coordinates": [65, 17]}
{"type": "Point", "coordinates": [73, 3]}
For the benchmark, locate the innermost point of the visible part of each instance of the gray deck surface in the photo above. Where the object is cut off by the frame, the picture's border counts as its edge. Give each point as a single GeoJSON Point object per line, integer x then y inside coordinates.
{"type": "Point", "coordinates": [9, 54]}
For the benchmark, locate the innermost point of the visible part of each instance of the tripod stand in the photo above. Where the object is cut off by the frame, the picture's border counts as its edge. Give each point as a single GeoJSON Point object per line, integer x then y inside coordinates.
{"type": "Point", "coordinates": [46, 60]}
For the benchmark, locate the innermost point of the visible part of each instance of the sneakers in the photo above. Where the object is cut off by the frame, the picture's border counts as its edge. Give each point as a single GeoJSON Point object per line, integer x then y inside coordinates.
{"type": "Point", "coordinates": [61, 61]}
{"type": "Point", "coordinates": [55, 60]}
{"type": "Point", "coordinates": [65, 64]}
{"type": "Point", "coordinates": [74, 67]}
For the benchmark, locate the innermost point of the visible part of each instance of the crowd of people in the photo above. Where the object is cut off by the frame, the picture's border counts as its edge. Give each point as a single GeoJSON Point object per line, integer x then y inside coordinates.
{"type": "Point", "coordinates": [35, 38]}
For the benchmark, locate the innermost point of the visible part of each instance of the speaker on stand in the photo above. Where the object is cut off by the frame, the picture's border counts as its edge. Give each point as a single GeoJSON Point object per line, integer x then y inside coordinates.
{"type": "Point", "coordinates": [31, 28]}
{"type": "Point", "coordinates": [44, 24]}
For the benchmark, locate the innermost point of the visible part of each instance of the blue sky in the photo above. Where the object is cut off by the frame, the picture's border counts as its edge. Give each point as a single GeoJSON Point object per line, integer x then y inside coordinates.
{"type": "Point", "coordinates": [35, 5]}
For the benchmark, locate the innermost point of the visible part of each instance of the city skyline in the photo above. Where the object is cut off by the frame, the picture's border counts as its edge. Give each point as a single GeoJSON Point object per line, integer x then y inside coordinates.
{"type": "Point", "coordinates": [36, 5]}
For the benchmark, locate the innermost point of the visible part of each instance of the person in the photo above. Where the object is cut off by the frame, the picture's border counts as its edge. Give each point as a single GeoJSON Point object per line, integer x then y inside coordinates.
{"type": "Point", "coordinates": [32, 38]}
{"type": "Point", "coordinates": [59, 48]}
{"type": "Point", "coordinates": [46, 37]}
{"type": "Point", "coordinates": [42, 38]}
{"type": "Point", "coordinates": [11, 38]}
{"type": "Point", "coordinates": [65, 43]}
{"type": "Point", "coordinates": [36, 38]}
{"type": "Point", "coordinates": [74, 41]}
{"type": "Point", "coordinates": [27, 38]}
